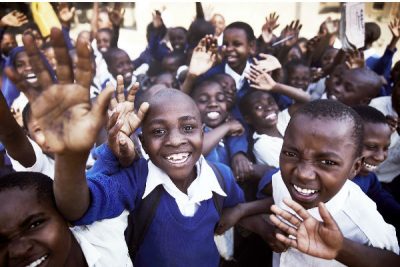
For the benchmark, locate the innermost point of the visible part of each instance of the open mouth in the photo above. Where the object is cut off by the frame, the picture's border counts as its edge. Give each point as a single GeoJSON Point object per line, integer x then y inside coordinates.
{"type": "Point", "coordinates": [127, 76]}
{"type": "Point", "coordinates": [271, 116]}
{"type": "Point", "coordinates": [231, 58]}
{"type": "Point", "coordinates": [38, 261]}
{"type": "Point", "coordinates": [304, 194]}
{"type": "Point", "coordinates": [213, 115]}
{"type": "Point", "coordinates": [178, 158]}
{"type": "Point", "coordinates": [103, 49]}
{"type": "Point", "coordinates": [369, 167]}
{"type": "Point", "coordinates": [31, 78]}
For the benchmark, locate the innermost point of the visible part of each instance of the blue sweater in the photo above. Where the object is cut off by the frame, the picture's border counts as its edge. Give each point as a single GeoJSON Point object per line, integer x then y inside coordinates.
{"type": "Point", "coordinates": [386, 203]}
{"type": "Point", "coordinates": [172, 239]}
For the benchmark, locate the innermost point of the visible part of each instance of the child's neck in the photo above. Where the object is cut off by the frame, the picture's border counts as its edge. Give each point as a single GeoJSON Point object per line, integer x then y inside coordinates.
{"type": "Point", "coordinates": [76, 258]}
{"type": "Point", "coordinates": [271, 131]}
{"type": "Point", "coordinates": [183, 185]}
{"type": "Point", "coordinates": [239, 69]}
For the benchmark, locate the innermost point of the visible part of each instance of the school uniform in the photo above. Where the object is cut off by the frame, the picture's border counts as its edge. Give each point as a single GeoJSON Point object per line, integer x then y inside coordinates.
{"type": "Point", "coordinates": [103, 243]}
{"type": "Point", "coordinates": [182, 230]}
{"type": "Point", "coordinates": [220, 153]}
{"type": "Point", "coordinates": [354, 213]}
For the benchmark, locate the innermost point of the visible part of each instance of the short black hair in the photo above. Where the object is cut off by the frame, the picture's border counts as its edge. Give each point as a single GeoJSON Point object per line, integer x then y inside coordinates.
{"type": "Point", "coordinates": [293, 64]}
{"type": "Point", "coordinates": [372, 32]}
{"type": "Point", "coordinates": [243, 26]}
{"type": "Point", "coordinates": [110, 54]}
{"type": "Point", "coordinates": [370, 114]}
{"type": "Point", "coordinates": [197, 30]}
{"type": "Point", "coordinates": [203, 83]}
{"type": "Point", "coordinates": [39, 182]}
{"type": "Point", "coordinates": [106, 30]}
{"type": "Point", "coordinates": [26, 116]}
{"type": "Point", "coordinates": [335, 110]}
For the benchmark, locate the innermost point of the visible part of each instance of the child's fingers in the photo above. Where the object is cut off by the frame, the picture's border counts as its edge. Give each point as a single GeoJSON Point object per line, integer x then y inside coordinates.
{"type": "Point", "coordinates": [132, 92]}
{"type": "Point", "coordinates": [284, 227]}
{"type": "Point", "coordinates": [292, 219]}
{"type": "Point", "coordinates": [144, 107]}
{"type": "Point", "coordinates": [114, 130]}
{"type": "Point", "coordinates": [297, 208]}
{"type": "Point", "coordinates": [286, 240]}
{"type": "Point", "coordinates": [119, 92]}
{"type": "Point", "coordinates": [112, 121]}
{"type": "Point", "coordinates": [36, 61]}
{"type": "Point", "coordinates": [84, 70]}
{"type": "Point", "coordinates": [327, 217]}
{"type": "Point", "coordinates": [101, 105]}
{"type": "Point", "coordinates": [64, 64]}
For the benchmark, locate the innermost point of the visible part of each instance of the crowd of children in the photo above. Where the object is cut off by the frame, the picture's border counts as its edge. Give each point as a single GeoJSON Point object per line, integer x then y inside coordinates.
{"type": "Point", "coordinates": [113, 161]}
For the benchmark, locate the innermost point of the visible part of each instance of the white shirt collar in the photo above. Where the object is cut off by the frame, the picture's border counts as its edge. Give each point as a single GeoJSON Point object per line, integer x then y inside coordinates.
{"type": "Point", "coordinates": [200, 189]}
{"type": "Point", "coordinates": [114, 81]}
{"type": "Point", "coordinates": [239, 78]}
{"type": "Point", "coordinates": [92, 255]}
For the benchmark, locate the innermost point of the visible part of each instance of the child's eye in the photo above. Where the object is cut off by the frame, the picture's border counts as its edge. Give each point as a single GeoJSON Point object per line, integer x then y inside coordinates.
{"type": "Point", "coordinates": [35, 224]}
{"type": "Point", "coordinates": [221, 98]}
{"type": "Point", "coordinates": [289, 154]}
{"type": "Point", "coordinates": [159, 132]}
{"type": "Point", "coordinates": [188, 128]}
{"type": "Point", "coordinates": [328, 162]}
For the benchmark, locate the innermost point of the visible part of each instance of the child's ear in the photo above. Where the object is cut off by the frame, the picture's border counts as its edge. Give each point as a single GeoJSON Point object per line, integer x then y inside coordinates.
{"type": "Point", "coordinates": [356, 167]}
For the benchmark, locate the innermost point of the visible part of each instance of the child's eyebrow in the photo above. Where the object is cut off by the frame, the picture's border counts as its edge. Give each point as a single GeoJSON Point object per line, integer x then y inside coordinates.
{"type": "Point", "coordinates": [31, 218]}
{"type": "Point", "coordinates": [187, 118]}
{"type": "Point", "coordinates": [328, 155]}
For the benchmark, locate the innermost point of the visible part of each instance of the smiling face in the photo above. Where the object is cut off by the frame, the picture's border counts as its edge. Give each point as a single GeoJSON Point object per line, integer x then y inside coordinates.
{"type": "Point", "coordinates": [263, 112]}
{"type": "Point", "coordinates": [178, 39]}
{"type": "Point", "coordinates": [376, 145]}
{"type": "Point", "coordinates": [31, 231]}
{"type": "Point", "coordinates": [8, 42]}
{"type": "Point", "coordinates": [317, 157]}
{"type": "Point", "coordinates": [173, 136]}
{"type": "Point", "coordinates": [238, 48]}
{"type": "Point", "coordinates": [229, 86]}
{"type": "Point", "coordinates": [211, 101]}
{"type": "Point", "coordinates": [24, 68]}
{"type": "Point", "coordinates": [351, 87]}
{"type": "Point", "coordinates": [103, 40]}
{"type": "Point", "coordinates": [299, 77]}
{"type": "Point", "coordinates": [121, 65]}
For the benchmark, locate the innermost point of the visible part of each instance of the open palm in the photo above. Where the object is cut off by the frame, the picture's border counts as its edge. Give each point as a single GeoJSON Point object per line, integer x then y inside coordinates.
{"type": "Point", "coordinates": [69, 121]}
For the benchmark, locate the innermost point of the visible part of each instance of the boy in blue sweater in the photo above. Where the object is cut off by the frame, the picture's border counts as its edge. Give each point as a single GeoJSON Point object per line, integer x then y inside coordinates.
{"type": "Point", "coordinates": [376, 144]}
{"type": "Point", "coordinates": [182, 230]}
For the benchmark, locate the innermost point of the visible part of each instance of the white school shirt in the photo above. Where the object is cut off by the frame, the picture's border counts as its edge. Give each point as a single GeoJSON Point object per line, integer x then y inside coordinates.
{"type": "Point", "coordinates": [200, 189]}
{"type": "Point", "coordinates": [355, 214]}
{"type": "Point", "coordinates": [239, 78]}
{"type": "Point", "coordinates": [103, 242]}
{"type": "Point", "coordinates": [43, 164]}
{"type": "Point", "coordinates": [267, 148]}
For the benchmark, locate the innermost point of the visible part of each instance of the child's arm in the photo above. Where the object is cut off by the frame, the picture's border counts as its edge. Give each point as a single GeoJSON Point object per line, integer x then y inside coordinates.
{"type": "Point", "coordinates": [262, 80]}
{"type": "Point", "coordinates": [324, 239]}
{"type": "Point", "coordinates": [69, 122]}
{"type": "Point", "coordinates": [231, 216]}
{"type": "Point", "coordinates": [13, 19]}
{"type": "Point", "coordinates": [212, 138]}
{"type": "Point", "coordinates": [203, 58]}
{"type": "Point", "coordinates": [14, 138]}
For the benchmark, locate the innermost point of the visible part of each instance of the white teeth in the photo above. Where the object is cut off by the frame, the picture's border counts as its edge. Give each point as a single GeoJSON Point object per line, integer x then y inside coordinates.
{"type": "Point", "coordinates": [304, 191]}
{"type": "Point", "coordinates": [370, 167]}
{"type": "Point", "coordinates": [38, 261]}
{"type": "Point", "coordinates": [31, 78]}
{"type": "Point", "coordinates": [128, 75]}
{"type": "Point", "coordinates": [177, 158]}
{"type": "Point", "coordinates": [213, 115]}
{"type": "Point", "coordinates": [271, 116]}
{"type": "Point", "coordinates": [333, 97]}
{"type": "Point", "coordinates": [103, 49]}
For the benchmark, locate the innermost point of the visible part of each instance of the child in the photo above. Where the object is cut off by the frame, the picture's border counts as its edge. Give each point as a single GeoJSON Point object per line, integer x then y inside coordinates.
{"type": "Point", "coordinates": [353, 86]}
{"type": "Point", "coordinates": [321, 151]}
{"type": "Point", "coordinates": [34, 232]}
{"type": "Point", "coordinates": [119, 63]}
{"type": "Point", "coordinates": [229, 86]}
{"type": "Point", "coordinates": [298, 75]}
{"type": "Point", "coordinates": [211, 102]}
{"type": "Point", "coordinates": [103, 38]}
{"type": "Point", "coordinates": [181, 233]}
{"type": "Point", "coordinates": [376, 145]}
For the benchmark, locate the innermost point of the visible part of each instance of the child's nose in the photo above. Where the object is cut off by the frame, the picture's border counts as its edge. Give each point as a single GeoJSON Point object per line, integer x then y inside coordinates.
{"type": "Point", "coordinates": [175, 138]}
{"type": "Point", "coordinates": [19, 247]}
{"type": "Point", "coordinates": [381, 155]}
{"type": "Point", "coordinates": [305, 172]}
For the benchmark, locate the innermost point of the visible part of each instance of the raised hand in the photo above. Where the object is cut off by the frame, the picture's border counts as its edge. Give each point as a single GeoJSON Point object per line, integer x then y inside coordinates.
{"type": "Point", "coordinates": [394, 27]}
{"type": "Point", "coordinates": [65, 14]}
{"type": "Point", "coordinates": [242, 167]}
{"type": "Point", "coordinates": [291, 32]}
{"type": "Point", "coordinates": [123, 122]}
{"type": "Point", "coordinates": [69, 121]}
{"type": "Point", "coordinates": [157, 19]}
{"type": "Point", "coordinates": [355, 59]}
{"type": "Point", "coordinates": [305, 233]}
{"type": "Point", "coordinates": [204, 56]}
{"type": "Point", "coordinates": [13, 19]}
{"type": "Point", "coordinates": [269, 26]}
{"type": "Point", "coordinates": [116, 14]}
{"type": "Point", "coordinates": [260, 79]}
{"type": "Point", "coordinates": [267, 63]}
